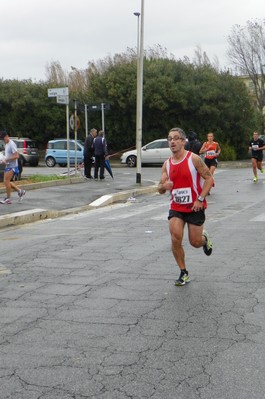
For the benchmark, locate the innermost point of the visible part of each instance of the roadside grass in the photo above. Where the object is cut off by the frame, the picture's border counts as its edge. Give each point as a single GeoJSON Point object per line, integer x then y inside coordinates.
{"type": "Point", "coordinates": [36, 179]}
{"type": "Point", "coordinates": [43, 178]}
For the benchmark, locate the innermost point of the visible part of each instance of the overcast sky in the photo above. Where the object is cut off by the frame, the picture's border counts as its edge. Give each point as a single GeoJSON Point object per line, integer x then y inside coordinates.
{"type": "Point", "coordinates": [34, 33]}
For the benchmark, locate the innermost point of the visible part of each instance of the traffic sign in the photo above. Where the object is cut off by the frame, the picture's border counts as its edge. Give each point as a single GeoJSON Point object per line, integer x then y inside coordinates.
{"type": "Point", "coordinates": [63, 99]}
{"type": "Point", "coordinates": [98, 107]}
{"type": "Point", "coordinates": [73, 123]}
{"type": "Point", "coordinates": [58, 91]}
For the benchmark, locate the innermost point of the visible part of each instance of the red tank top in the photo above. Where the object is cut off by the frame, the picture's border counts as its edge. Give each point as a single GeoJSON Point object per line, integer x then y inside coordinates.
{"type": "Point", "coordinates": [211, 149]}
{"type": "Point", "coordinates": [187, 184]}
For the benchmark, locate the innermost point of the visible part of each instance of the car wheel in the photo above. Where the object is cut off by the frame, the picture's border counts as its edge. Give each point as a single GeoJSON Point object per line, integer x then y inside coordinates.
{"type": "Point", "coordinates": [131, 161]}
{"type": "Point", "coordinates": [50, 161]}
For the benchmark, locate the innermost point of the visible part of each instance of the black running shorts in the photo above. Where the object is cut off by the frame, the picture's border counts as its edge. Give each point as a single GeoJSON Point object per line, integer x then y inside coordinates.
{"type": "Point", "coordinates": [197, 218]}
{"type": "Point", "coordinates": [210, 162]}
{"type": "Point", "coordinates": [258, 157]}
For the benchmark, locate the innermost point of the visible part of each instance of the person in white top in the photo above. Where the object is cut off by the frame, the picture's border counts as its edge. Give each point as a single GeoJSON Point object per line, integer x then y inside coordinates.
{"type": "Point", "coordinates": [10, 160]}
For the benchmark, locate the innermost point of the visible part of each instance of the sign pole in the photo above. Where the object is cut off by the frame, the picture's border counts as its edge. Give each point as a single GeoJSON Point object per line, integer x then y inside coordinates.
{"type": "Point", "coordinates": [103, 117]}
{"type": "Point", "coordinates": [86, 119]}
{"type": "Point", "coordinates": [62, 95]}
{"type": "Point", "coordinates": [67, 139]}
{"type": "Point", "coordinates": [75, 130]}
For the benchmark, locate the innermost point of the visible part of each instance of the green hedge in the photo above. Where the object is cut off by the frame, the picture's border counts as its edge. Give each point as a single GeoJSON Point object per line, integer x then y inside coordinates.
{"type": "Point", "coordinates": [228, 153]}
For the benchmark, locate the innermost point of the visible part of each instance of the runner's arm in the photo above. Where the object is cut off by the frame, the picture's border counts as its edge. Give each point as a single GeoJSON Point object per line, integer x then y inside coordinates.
{"type": "Point", "coordinates": [14, 156]}
{"type": "Point", "coordinates": [218, 150]}
{"type": "Point", "coordinates": [164, 184]}
{"type": "Point", "coordinates": [205, 173]}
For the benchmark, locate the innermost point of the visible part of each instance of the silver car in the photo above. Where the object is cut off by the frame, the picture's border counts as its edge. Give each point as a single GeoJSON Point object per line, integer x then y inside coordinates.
{"type": "Point", "coordinates": [28, 150]}
{"type": "Point", "coordinates": [156, 152]}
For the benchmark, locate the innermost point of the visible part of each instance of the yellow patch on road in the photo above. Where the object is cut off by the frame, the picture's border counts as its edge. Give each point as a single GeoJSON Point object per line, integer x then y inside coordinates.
{"type": "Point", "coordinates": [4, 271]}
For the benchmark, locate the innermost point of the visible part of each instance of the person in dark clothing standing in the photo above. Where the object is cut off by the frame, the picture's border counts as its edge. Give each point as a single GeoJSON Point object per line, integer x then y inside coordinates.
{"type": "Point", "coordinates": [100, 151]}
{"type": "Point", "coordinates": [193, 144]}
{"type": "Point", "coordinates": [88, 153]}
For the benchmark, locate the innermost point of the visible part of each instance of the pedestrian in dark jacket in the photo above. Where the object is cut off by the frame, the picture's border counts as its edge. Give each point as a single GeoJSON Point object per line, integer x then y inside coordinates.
{"type": "Point", "coordinates": [88, 153]}
{"type": "Point", "coordinates": [193, 144]}
{"type": "Point", "coordinates": [100, 151]}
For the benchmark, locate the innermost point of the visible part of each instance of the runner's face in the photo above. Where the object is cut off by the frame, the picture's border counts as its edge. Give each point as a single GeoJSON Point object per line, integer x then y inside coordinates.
{"type": "Point", "coordinates": [255, 136]}
{"type": "Point", "coordinates": [210, 137]}
{"type": "Point", "coordinates": [175, 141]}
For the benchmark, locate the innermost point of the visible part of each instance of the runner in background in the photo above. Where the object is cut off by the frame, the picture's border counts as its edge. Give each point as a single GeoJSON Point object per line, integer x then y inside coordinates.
{"type": "Point", "coordinates": [211, 150]}
{"type": "Point", "coordinates": [10, 160]}
{"type": "Point", "coordinates": [256, 146]}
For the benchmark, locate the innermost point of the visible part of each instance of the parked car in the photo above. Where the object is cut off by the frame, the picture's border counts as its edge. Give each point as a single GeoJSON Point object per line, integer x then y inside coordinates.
{"type": "Point", "coordinates": [2, 166]}
{"type": "Point", "coordinates": [155, 152]}
{"type": "Point", "coordinates": [28, 150]}
{"type": "Point", "coordinates": [56, 152]}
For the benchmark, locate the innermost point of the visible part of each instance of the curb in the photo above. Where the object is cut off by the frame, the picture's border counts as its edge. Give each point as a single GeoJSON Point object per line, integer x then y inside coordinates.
{"type": "Point", "coordinates": [35, 215]}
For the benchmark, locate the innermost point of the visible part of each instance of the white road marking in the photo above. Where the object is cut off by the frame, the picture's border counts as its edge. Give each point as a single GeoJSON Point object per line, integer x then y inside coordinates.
{"type": "Point", "coordinates": [259, 218]}
{"type": "Point", "coordinates": [133, 211]}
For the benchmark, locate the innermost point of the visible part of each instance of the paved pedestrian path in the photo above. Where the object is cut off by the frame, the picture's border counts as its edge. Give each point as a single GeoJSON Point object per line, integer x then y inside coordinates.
{"type": "Point", "coordinates": [57, 198]}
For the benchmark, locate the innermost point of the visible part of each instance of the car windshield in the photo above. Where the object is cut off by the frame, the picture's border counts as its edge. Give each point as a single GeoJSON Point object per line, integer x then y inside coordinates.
{"type": "Point", "coordinates": [31, 144]}
{"type": "Point", "coordinates": [156, 144]}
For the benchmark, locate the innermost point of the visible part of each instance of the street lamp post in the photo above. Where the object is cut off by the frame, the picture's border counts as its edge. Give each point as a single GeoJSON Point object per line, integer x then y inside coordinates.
{"type": "Point", "coordinates": [139, 101]}
{"type": "Point", "coordinates": [137, 14]}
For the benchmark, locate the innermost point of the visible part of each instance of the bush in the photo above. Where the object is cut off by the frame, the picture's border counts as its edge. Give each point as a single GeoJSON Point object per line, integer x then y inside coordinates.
{"type": "Point", "coordinates": [228, 153]}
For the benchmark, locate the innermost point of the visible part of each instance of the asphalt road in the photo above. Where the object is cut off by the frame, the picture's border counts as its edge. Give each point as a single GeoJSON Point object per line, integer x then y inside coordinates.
{"type": "Point", "coordinates": [88, 306]}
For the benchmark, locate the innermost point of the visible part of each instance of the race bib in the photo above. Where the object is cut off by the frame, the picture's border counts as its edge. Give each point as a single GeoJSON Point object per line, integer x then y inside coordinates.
{"type": "Point", "coordinates": [255, 147]}
{"type": "Point", "coordinates": [182, 195]}
{"type": "Point", "coordinates": [210, 153]}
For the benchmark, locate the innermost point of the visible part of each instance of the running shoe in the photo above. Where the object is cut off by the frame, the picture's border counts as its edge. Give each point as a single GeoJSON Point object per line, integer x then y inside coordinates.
{"type": "Point", "coordinates": [21, 194]}
{"type": "Point", "coordinates": [6, 201]}
{"type": "Point", "coordinates": [255, 180]}
{"type": "Point", "coordinates": [261, 170]}
{"type": "Point", "coordinates": [208, 246]}
{"type": "Point", "coordinates": [183, 278]}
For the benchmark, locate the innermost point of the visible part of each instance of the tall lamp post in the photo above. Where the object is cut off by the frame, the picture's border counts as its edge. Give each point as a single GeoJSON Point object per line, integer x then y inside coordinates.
{"type": "Point", "coordinates": [137, 14]}
{"type": "Point", "coordinates": [139, 101]}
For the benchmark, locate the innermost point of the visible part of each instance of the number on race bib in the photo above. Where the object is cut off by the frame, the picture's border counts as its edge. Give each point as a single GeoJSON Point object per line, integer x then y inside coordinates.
{"type": "Point", "coordinates": [182, 195]}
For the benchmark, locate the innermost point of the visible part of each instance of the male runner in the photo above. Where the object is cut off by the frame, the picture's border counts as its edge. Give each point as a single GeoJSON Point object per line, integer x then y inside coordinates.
{"type": "Point", "coordinates": [256, 146]}
{"type": "Point", "coordinates": [189, 180]}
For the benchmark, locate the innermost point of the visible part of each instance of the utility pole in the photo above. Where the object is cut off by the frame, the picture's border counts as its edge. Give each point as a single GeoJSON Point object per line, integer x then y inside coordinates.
{"type": "Point", "coordinates": [139, 104]}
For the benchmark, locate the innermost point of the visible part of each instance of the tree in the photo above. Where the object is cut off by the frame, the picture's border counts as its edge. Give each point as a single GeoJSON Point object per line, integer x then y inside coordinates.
{"type": "Point", "coordinates": [27, 111]}
{"type": "Point", "coordinates": [175, 93]}
{"type": "Point", "coordinates": [247, 53]}
{"type": "Point", "coordinates": [195, 96]}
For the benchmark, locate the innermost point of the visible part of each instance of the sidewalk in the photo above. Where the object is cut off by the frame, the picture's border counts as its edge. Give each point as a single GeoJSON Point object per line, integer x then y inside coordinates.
{"type": "Point", "coordinates": [61, 197]}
